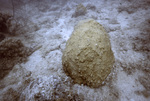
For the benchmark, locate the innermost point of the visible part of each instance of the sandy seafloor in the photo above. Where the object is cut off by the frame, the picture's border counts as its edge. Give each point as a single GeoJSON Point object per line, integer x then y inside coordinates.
{"type": "Point", "coordinates": [49, 24]}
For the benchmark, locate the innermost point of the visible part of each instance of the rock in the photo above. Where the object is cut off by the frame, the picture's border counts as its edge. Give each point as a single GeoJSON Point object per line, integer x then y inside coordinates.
{"type": "Point", "coordinates": [80, 10]}
{"type": "Point", "coordinates": [88, 57]}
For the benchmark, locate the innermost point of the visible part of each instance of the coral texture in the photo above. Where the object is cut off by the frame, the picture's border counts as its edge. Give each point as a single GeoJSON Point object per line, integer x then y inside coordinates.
{"type": "Point", "coordinates": [4, 21]}
{"type": "Point", "coordinates": [88, 57]}
{"type": "Point", "coordinates": [12, 51]}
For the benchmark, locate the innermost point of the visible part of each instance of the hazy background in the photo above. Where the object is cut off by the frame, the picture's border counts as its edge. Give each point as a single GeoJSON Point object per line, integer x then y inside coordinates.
{"type": "Point", "coordinates": [33, 34]}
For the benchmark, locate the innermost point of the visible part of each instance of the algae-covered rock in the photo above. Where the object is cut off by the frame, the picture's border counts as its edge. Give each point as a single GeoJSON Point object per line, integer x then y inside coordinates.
{"type": "Point", "coordinates": [88, 57]}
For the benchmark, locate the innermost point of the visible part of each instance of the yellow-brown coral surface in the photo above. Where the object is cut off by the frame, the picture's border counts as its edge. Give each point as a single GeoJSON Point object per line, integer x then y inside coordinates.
{"type": "Point", "coordinates": [88, 57]}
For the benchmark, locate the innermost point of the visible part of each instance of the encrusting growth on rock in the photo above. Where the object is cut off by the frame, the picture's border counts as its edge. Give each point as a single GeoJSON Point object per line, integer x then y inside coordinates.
{"type": "Point", "coordinates": [88, 57]}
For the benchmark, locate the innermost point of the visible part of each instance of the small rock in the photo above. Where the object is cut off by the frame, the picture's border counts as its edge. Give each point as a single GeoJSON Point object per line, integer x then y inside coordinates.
{"type": "Point", "coordinates": [80, 10]}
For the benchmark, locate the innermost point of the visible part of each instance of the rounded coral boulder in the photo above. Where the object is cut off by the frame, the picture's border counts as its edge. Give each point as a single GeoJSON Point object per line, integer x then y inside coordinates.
{"type": "Point", "coordinates": [88, 57]}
